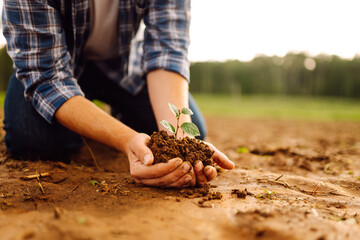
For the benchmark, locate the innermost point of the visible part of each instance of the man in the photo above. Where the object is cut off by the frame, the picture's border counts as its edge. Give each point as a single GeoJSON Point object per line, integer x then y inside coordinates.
{"type": "Point", "coordinates": [67, 53]}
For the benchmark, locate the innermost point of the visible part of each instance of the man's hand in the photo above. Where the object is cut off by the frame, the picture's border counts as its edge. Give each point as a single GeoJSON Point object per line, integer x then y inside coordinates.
{"type": "Point", "coordinates": [173, 174]}
{"type": "Point", "coordinates": [209, 173]}
{"type": "Point", "coordinates": [165, 87]}
{"type": "Point", "coordinates": [75, 114]}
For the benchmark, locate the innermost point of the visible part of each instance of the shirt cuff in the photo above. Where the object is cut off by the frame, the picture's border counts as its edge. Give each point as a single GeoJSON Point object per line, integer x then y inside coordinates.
{"type": "Point", "coordinates": [49, 97]}
{"type": "Point", "coordinates": [170, 61]}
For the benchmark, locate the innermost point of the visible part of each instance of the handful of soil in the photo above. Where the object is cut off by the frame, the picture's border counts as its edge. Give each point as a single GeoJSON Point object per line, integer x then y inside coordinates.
{"type": "Point", "coordinates": [165, 147]}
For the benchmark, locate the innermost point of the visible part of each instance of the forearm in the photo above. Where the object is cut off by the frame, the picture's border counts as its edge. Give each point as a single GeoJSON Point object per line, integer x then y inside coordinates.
{"type": "Point", "coordinates": [165, 87]}
{"type": "Point", "coordinates": [83, 117]}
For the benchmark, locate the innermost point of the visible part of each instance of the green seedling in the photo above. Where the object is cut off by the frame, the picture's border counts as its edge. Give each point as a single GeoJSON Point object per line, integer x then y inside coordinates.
{"type": "Point", "coordinates": [242, 150]}
{"type": "Point", "coordinates": [93, 182]}
{"type": "Point", "coordinates": [186, 127]}
{"type": "Point", "coordinates": [267, 194]}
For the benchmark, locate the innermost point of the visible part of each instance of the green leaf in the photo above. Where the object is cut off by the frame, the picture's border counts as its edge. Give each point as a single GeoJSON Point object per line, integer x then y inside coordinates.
{"type": "Point", "coordinates": [190, 128]}
{"type": "Point", "coordinates": [186, 111]}
{"type": "Point", "coordinates": [174, 109]}
{"type": "Point", "coordinates": [242, 150]}
{"type": "Point", "coordinates": [168, 126]}
{"type": "Point", "coordinates": [268, 192]}
{"type": "Point", "coordinates": [93, 182]}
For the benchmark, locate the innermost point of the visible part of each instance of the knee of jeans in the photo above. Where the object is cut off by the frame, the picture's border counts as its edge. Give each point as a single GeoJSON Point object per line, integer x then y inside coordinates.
{"type": "Point", "coordinates": [203, 131]}
{"type": "Point", "coordinates": [199, 121]}
{"type": "Point", "coordinates": [8, 145]}
{"type": "Point", "coordinates": [16, 144]}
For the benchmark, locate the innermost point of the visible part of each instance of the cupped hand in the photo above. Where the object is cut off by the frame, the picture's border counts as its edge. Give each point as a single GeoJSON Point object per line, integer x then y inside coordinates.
{"type": "Point", "coordinates": [208, 173]}
{"type": "Point", "coordinates": [173, 174]}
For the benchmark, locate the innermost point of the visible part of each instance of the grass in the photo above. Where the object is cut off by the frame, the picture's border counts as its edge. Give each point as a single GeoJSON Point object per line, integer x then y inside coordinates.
{"type": "Point", "coordinates": [281, 107]}
{"type": "Point", "coordinates": [322, 109]}
{"type": "Point", "coordinates": [2, 98]}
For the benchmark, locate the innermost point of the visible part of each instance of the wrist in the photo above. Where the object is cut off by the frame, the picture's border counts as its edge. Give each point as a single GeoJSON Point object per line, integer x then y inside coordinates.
{"type": "Point", "coordinates": [123, 142]}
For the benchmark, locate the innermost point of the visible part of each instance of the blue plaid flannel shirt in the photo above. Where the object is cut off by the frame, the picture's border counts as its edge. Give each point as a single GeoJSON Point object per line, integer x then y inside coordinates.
{"type": "Point", "coordinates": [48, 69]}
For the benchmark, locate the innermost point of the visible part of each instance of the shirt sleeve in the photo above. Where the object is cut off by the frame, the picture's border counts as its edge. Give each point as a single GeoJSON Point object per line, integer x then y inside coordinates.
{"type": "Point", "coordinates": [166, 39]}
{"type": "Point", "coordinates": [36, 43]}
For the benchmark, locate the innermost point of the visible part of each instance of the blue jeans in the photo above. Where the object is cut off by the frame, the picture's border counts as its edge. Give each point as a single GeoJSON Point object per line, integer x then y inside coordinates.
{"type": "Point", "coordinates": [28, 134]}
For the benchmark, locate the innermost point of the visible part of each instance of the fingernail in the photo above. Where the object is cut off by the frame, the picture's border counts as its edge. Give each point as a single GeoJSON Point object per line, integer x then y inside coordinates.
{"type": "Point", "coordinates": [178, 163]}
{"type": "Point", "coordinates": [198, 166]}
{"type": "Point", "coordinates": [147, 159]}
{"type": "Point", "coordinates": [187, 179]}
{"type": "Point", "coordinates": [208, 171]}
{"type": "Point", "coordinates": [186, 167]}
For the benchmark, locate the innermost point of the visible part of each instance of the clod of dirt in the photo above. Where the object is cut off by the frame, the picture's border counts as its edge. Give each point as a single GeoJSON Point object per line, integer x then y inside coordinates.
{"type": "Point", "coordinates": [211, 196]}
{"type": "Point", "coordinates": [204, 202]}
{"type": "Point", "coordinates": [240, 193]}
{"type": "Point", "coordinates": [165, 147]}
{"type": "Point", "coordinates": [196, 192]}
{"type": "Point", "coordinates": [204, 192]}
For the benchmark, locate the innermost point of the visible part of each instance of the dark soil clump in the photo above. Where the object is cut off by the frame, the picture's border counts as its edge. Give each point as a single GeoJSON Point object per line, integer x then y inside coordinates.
{"type": "Point", "coordinates": [200, 191]}
{"type": "Point", "coordinates": [240, 193]}
{"type": "Point", "coordinates": [165, 147]}
{"type": "Point", "coordinates": [204, 192]}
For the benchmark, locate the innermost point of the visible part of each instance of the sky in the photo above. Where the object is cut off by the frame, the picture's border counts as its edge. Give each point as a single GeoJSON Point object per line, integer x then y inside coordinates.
{"type": "Point", "coordinates": [242, 29]}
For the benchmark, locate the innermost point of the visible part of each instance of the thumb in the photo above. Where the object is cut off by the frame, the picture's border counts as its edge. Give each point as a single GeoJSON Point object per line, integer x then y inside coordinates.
{"type": "Point", "coordinates": [140, 149]}
{"type": "Point", "coordinates": [148, 158]}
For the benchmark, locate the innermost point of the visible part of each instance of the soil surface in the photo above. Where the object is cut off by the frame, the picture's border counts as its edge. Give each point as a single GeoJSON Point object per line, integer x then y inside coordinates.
{"type": "Point", "coordinates": [165, 147]}
{"type": "Point", "coordinates": [293, 180]}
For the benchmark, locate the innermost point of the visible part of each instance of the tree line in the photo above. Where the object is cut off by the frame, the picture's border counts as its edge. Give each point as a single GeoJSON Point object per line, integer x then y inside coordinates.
{"type": "Point", "coordinates": [293, 74]}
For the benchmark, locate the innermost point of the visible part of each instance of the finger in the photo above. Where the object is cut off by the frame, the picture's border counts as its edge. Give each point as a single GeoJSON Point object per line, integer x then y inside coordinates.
{"type": "Point", "coordinates": [140, 149]}
{"type": "Point", "coordinates": [169, 178]}
{"type": "Point", "coordinates": [220, 158]}
{"type": "Point", "coordinates": [141, 171]}
{"type": "Point", "coordinates": [193, 178]}
{"type": "Point", "coordinates": [210, 173]}
{"type": "Point", "coordinates": [185, 181]}
{"type": "Point", "coordinates": [200, 176]}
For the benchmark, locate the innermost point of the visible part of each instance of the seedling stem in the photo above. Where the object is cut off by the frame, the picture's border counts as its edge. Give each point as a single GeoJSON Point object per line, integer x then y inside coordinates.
{"type": "Point", "coordinates": [187, 127]}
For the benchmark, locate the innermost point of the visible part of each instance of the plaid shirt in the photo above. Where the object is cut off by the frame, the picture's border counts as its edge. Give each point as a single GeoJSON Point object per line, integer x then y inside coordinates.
{"type": "Point", "coordinates": [48, 69]}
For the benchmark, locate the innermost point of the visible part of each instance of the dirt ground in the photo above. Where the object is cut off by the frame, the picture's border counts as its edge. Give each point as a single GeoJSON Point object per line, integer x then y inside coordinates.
{"type": "Point", "coordinates": [302, 181]}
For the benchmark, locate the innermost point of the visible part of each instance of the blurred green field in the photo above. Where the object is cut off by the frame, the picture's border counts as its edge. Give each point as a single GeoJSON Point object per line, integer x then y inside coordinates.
{"type": "Point", "coordinates": [322, 109]}
{"type": "Point", "coordinates": [305, 108]}
{"type": "Point", "coordinates": [2, 98]}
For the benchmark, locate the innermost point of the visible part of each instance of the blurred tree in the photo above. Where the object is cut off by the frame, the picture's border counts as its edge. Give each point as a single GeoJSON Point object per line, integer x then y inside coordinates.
{"type": "Point", "coordinates": [6, 69]}
{"type": "Point", "coordinates": [293, 74]}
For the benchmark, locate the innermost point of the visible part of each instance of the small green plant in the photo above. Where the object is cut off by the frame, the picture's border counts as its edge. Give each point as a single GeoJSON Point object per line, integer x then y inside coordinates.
{"type": "Point", "coordinates": [267, 194]}
{"type": "Point", "coordinates": [93, 182]}
{"type": "Point", "coordinates": [242, 150]}
{"type": "Point", "coordinates": [187, 127]}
